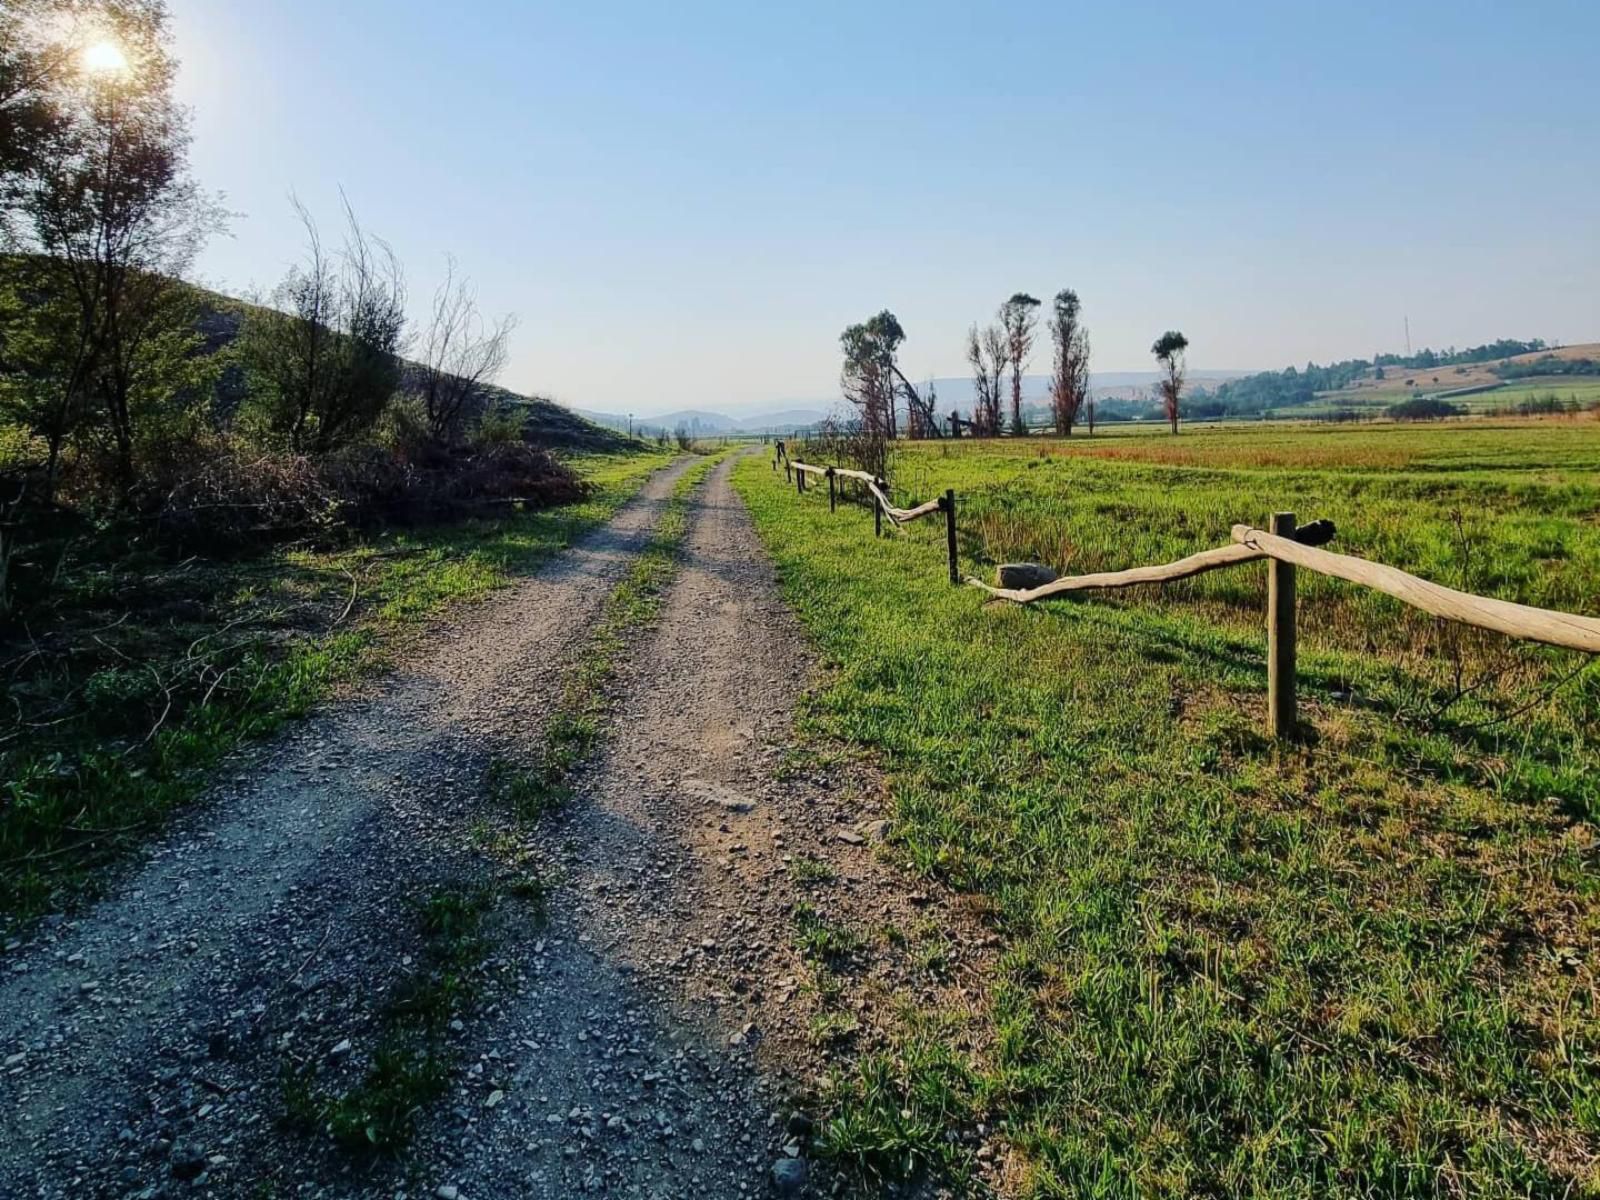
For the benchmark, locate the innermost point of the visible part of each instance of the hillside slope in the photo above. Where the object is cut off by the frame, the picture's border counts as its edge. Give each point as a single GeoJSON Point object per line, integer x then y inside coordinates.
{"type": "Point", "coordinates": [545, 423]}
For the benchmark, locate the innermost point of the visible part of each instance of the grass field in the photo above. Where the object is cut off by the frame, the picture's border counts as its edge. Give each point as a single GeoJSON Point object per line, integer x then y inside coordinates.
{"type": "Point", "coordinates": [149, 671]}
{"type": "Point", "coordinates": [1579, 390]}
{"type": "Point", "coordinates": [1363, 966]}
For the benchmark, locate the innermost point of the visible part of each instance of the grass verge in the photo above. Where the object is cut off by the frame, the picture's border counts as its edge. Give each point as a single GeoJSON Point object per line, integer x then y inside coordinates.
{"type": "Point", "coordinates": [152, 671]}
{"type": "Point", "coordinates": [1363, 968]}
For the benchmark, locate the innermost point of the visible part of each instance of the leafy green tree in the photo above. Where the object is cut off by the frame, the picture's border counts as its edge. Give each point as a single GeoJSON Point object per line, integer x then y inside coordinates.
{"type": "Point", "coordinates": [1170, 349]}
{"type": "Point", "coordinates": [103, 194]}
{"type": "Point", "coordinates": [32, 63]}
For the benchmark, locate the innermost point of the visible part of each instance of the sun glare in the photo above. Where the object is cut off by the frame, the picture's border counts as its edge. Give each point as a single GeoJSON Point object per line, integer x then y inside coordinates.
{"type": "Point", "coordinates": [105, 58]}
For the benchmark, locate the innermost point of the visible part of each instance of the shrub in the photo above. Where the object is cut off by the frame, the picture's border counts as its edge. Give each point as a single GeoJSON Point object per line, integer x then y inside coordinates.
{"type": "Point", "coordinates": [1424, 408]}
{"type": "Point", "coordinates": [233, 502]}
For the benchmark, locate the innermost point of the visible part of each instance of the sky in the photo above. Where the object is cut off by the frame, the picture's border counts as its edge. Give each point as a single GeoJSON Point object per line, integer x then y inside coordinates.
{"type": "Point", "coordinates": [685, 203]}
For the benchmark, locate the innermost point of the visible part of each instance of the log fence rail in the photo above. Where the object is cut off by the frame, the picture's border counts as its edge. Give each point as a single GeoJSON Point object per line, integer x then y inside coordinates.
{"type": "Point", "coordinates": [1285, 547]}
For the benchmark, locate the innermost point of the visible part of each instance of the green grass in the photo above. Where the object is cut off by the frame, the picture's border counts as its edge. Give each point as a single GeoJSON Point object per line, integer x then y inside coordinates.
{"type": "Point", "coordinates": [1364, 966]}
{"type": "Point", "coordinates": [823, 942]}
{"type": "Point", "coordinates": [807, 871]}
{"type": "Point", "coordinates": [146, 672]}
{"type": "Point", "coordinates": [1581, 390]}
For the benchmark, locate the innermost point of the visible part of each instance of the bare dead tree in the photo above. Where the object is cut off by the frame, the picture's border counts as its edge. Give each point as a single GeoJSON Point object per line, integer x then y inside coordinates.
{"type": "Point", "coordinates": [922, 421]}
{"type": "Point", "coordinates": [1019, 317]}
{"type": "Point", "coordinates": [329, 356]}
{"type": "Point", "coordinates": [462, 354]}
{"type": "Point", "coordinates": [1069, 384]}
{"type": "Point", "coordinates": [987, 355]}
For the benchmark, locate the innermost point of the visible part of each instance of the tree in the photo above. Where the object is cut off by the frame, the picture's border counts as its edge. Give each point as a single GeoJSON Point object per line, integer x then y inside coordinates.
{"type": "Point", "coordinates": [986, 353]}
{"type": "Point", "coordinates": [32, 66]}
{"type": "Point", "coordinates": [102, 192]}
{"type": "Point", "coordinates": [873, 382]}
{"type": "Point", "coordinates": [327, 357]}
{"type": "Point", "coordinates": [1169, 350]}
{"type": "Point", "coordinates": [1069, 385]}
{"type": "Point", "coordinates": [1019, 317]}
{"type": "Point", "coordinates": [869, 382]}
{"type": "Point", "coordinates": [462, 355]}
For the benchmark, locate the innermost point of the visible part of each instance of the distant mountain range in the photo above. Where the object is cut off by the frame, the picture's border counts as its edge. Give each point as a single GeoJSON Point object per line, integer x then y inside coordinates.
{"type": "Point", "coordinates": [703, 424]}
{"type": "Point", "coordinates": [952, 393]}
{"type": "Point", "coordinates": [957, 392]}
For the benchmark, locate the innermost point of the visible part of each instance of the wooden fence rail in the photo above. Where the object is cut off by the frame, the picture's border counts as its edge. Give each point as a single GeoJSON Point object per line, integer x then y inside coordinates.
{"type": "Point", "coordinates": [1502, 616]}
{"type": "Point", "coordinates": [1285, 547]}
{"type": "Point", "coordinates": [900, 516]}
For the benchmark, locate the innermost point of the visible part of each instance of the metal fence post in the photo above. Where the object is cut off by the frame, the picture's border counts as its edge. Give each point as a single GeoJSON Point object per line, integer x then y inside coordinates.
{"type": "Point", "coordinates": [1280, 636]}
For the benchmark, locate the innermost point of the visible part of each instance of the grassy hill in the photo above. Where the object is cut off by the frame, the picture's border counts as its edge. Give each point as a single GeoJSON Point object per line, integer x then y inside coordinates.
{"type": "Point", "coordinates": [1478, 385]}
{"type": "Point", "coordinates": [1477, 379]}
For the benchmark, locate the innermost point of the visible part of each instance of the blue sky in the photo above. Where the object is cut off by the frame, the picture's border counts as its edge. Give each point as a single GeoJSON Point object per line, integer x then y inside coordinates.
{"type": "Point", "coordinates": [685, 203]}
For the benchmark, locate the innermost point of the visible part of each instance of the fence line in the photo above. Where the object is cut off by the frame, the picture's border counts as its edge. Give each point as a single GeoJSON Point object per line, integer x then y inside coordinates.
{"type": "Point", "coordinates": [876, 486]}
{"type": "Point", "coordinates": [1288, 546]}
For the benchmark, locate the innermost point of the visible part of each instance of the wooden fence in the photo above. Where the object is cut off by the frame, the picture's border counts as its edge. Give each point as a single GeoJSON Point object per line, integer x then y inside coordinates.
{"type": "Point", "coordinates": [1286, 546]}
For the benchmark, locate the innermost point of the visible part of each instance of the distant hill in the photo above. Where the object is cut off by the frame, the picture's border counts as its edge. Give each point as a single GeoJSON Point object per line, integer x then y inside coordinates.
{"type": "Point", "coordinates": [956, 392]}
{"type": "Point", "coordinates": [1390, 378]}
{"type": "Point", "coordinates": [700, 423]}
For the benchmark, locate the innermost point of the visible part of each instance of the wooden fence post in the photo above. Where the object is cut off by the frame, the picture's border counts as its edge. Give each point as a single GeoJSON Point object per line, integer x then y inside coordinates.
{"type": "Point", "coordinates": [832, 491]}
{"type": "Point", "coordinates": [800, 481]}
{"type": "Point", "coordinates": [1280, 637]}
{"type": "Point", "coordinates": [877, 516]}
{"type": "Point", "coordinates": [949, 506]}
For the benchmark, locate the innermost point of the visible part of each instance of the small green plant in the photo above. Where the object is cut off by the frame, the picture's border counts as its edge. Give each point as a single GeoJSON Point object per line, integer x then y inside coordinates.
{"type": "Point", "coordinates": [830, 1028]}
{"type": "Point", "coordinates": [822, 942]}
{"type": "Point", "coordinates": [535, 888]}
{"type": "Point", "coordinates": [807, 871]}
{"type": "Point", "coordinates": [410, 1066]}
{"type": "Point", "coordinates": [380, 1113]}
{"type": "Point", "coordinates": [529, 793]}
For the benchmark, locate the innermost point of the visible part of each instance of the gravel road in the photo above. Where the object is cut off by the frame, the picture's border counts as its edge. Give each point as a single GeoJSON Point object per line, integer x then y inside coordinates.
{"type": "Point", "coordinates": [658, 1037]}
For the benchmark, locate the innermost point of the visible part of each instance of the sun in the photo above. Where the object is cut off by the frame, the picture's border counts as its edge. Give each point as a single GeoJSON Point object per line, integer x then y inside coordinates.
{"type": "Point", "coordinates": [105, 58]}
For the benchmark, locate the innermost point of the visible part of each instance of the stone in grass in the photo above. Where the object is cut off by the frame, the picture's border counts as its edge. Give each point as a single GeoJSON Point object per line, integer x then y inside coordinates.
{"type": "Point", "coordinates": [789, 1176]}
{"type": "Point", "coordinates": [1023, 576]}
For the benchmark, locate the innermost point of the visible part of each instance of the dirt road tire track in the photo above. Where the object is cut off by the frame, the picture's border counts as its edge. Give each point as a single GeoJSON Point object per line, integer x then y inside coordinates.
{"type": "Point", "coordinates": [266, 917]}
{"type": "Point", "coordinates": [662, 1042]}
